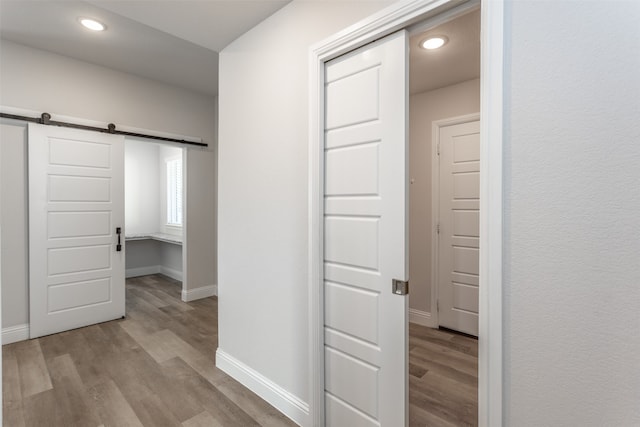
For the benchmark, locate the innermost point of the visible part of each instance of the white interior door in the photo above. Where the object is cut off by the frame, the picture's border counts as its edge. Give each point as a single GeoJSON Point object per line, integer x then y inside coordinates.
{"type": "Point", "coordinates": [76, 201]}
{"type": "Point", "coordinates": [459, 210]}
{"type": "Point", "coordinates": [365, 236]}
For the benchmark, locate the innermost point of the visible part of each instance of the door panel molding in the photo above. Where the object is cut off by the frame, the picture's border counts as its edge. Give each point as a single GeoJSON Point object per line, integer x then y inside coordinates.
{"type": "Point", "coordinates": [435, 198]}
{"type": "Point", "coordinates": [423, 14]}
{"type": "Point", "coordinates": [365, 236]}
{"type": "Point", "coordinates": [76, 272]}
{"type": "Point", "coordinates": [436, 157]}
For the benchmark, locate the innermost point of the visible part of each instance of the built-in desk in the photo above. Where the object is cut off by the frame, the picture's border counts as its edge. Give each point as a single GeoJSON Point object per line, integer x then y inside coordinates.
{"type": "Point", "coordinates": [161, 237]}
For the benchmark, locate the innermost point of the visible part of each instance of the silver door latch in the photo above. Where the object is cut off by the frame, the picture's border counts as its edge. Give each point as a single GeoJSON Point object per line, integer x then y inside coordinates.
{"type": "Point", "coordinates": [399, 287]}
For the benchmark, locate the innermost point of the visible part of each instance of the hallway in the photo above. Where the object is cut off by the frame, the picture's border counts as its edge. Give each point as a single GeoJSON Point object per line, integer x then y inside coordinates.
{"type": "Point", "coordinates": [156, 368]}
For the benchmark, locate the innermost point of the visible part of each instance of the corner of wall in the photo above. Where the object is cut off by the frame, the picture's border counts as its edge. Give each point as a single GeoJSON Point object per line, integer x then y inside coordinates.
{"type": "Point", "coordinates": [199, 293]}
{"type": "Point", "coordinates": [281, 399]}
{"type": "Point", "coordinates": [422, 318]}
{"type": "Point", "coordinates": [15, 333]}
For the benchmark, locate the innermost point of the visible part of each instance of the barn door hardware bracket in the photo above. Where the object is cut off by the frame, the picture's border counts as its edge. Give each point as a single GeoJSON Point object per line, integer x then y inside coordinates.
{"type": "Point", "coordinates": [45, 119]}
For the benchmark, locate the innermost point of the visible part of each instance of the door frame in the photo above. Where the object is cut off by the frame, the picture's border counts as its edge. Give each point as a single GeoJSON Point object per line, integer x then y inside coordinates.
{"type": "Point", "coordinates": [404, 15]}
{"type": "Point", "coordinates": [435, 204]}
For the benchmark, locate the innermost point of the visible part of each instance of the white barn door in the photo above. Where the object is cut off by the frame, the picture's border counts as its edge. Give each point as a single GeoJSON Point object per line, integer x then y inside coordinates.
{"type": "Point", "coordinates": [365, 235]}
{"type": "Point", "coordinates": [76, 202]}
{"type": "Point", "coordinates": [459, 215]}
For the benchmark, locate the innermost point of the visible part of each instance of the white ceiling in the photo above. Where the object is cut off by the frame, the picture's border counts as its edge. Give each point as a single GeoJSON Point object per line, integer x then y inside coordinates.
{"type": "Point", "coordinates": [455, 62]}
{"type": "Point", "coordinates": [174, 42]}
{"type": "Point", "coordinates": [177, 42]}
{"type": "Point", "coordinates": [212, 24]}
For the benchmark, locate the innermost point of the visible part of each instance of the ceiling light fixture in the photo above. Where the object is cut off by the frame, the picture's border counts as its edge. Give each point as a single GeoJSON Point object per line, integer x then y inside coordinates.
{"type": "Point", "coordinates": [92, 24]}
{"type": "Point", "coordinates": [435, 42]}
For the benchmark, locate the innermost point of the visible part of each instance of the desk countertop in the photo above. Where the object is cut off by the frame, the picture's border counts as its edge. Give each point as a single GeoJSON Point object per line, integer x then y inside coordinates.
{"type": "Point", "coordinates": [161, 237]}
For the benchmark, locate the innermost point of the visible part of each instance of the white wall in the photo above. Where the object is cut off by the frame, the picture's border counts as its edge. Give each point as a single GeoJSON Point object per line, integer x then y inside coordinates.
{"type": "Point", "coordinates": [152, 256]}
{"type": "Point", "coordinates": [572, 214]}
{"type": "Point", "coordinates": [13, 221]}
{"type": "Point", "coordinates": [143, 257]}
{"type": "Point", "coordinates": [263, 191]}
{"type": "Point", "coordinates": [425, 108]}
{"type": "Point", "coordinates": [43, 81]}
{"type": "Point", "coordinates": [141, 187]}
{"type": "Point", "coordinates": [200, 225]}
{"type": "Point", "coordinates": [171, 260]}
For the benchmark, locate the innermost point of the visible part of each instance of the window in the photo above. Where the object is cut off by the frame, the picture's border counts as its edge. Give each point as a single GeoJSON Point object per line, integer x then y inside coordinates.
{"type": "Point", "coordinates": [174, 192]}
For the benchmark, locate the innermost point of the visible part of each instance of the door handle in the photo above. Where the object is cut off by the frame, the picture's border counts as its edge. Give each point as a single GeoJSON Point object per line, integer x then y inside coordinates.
{"type": "Point", "coordinates": [400, 287]}
{"type": "Point", "coordinates": [119, 233]}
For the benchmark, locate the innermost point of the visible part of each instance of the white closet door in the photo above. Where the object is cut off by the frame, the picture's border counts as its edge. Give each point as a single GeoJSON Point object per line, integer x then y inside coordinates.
{"type": "Point", "coordinates": [365, 236]}
{"type": "Point", "coordinates": [76, 201]}
{"type": "Point", "coordinates": [458, 267]}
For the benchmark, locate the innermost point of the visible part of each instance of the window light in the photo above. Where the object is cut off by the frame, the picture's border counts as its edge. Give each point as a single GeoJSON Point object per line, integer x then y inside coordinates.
{"type": "Point", "coordinates": [174, 192]}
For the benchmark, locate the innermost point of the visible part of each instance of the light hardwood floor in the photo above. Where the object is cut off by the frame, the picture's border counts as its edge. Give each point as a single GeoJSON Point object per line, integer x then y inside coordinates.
{"type": "Point", "coordinates": [156, 368]}
{"type": "Point", "coordinates": [443, 378]}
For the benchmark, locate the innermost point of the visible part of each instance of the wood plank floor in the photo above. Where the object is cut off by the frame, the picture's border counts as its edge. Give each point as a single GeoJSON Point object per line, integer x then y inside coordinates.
{"type": "Point", "coordinates": [157, 368]}
{"type": "Point", "coordinates": [443, 378]}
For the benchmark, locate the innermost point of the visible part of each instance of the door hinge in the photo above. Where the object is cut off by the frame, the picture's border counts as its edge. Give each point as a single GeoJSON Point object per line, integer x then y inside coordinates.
{"type": "Point", "coordinates": [399, 287]}
{"type": "Point", "coordinates": [438, 149]}
{"type": "Point", "coordinates": [438, 228]}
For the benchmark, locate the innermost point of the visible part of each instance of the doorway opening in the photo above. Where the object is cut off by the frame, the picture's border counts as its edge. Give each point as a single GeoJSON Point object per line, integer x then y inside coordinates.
{"type": "Point", "coordinates": [444, 154]}
{"type": "Point", "coordinates": [154, 209]}
{"type": "Point", "coordinates": [428, 15]}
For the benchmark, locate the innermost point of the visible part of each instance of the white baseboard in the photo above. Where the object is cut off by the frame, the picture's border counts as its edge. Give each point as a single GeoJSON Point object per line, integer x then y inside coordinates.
{"type": "Point", "coordinates": [423, 318]}
{"type": "Point", "coordinates": [153, 269]}
{"type": "Point", "coordinates": [174, 274]}
{"type": "Point", "coordinates": [142, 271]}
{"type": "Point", "coordinates": [15, 333]}
{"type": "Point", "coordinates": [199, 293]}
{"type": "Point", "coordinates": [281, 399]}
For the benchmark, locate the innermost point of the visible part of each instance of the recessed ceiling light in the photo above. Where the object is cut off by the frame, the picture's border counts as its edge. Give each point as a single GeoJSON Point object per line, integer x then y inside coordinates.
{"type": "Point", "coordinates": [92, 24]}
{"type": "Point", "coordinates": [434, 42]}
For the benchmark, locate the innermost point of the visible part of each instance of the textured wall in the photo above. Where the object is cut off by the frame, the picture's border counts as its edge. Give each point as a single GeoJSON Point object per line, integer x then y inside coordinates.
{"type": "Point", "coordinates": [13, 219]}
{"type": "Point", "coordinates": [572, 242]}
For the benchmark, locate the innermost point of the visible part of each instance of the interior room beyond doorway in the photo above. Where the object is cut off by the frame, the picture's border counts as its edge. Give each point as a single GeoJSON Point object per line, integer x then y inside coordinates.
{"type": "Point", "coordinates": [154, 211]}
{"type": "Point", "coordinates": [444, 84]}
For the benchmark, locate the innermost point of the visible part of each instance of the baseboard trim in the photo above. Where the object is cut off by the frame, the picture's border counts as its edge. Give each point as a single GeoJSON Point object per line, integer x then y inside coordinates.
{"type": "Point", "coordinates": [15, 333]}
{"type": "Point", "coordinates": [153, 269]}
{"type": "Point", "coordinates": [174, 274]}
{"type": "Point", "coordinates": [199, 293]}
{"type": "Point", "coordinates": [423, 318]}
{"type": "Point", "coordinates": [281, 399]}
{"type": "Point", "coordinates": [142, 271]}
